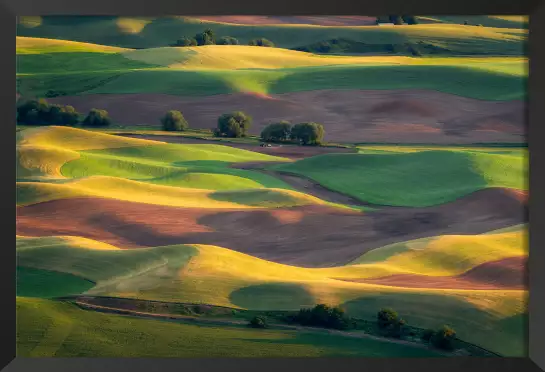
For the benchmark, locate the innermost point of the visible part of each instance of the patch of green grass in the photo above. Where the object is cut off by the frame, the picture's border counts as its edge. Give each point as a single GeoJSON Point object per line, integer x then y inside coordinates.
{"type": "Point", "coordinates": [412, 179]}
{"type": "Point", "coordinates": [99, 265]}
{"type": "Point", "coordinates": [192, 166]}
{"type": "Point", "coordinates": [75, 62]}
{"type": "Point", "coordinates": [47, 284]}
{"type": "Point", "coordinates": [47, 328]}
{"type": "Point", "coordinates": [474, 82]}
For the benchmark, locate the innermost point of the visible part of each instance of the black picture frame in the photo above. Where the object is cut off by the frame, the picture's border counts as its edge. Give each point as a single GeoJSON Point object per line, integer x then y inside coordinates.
{"type": "Point", "coordinates": [536, 118]}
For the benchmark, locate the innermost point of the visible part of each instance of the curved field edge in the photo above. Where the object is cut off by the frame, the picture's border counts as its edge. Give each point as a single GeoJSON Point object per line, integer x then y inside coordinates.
{"type": "Point", "coordinates": [477, 82]}
{"type": "Point", "coordinates": [46, 328]}
{"type": "Point", "coordinates": [221, 277]}
{"type": "Point", "coordinates": [398, 178]}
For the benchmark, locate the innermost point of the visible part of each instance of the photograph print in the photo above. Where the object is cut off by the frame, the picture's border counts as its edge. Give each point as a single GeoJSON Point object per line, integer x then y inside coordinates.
{"type": "Point", "coordinates": [271, 186]}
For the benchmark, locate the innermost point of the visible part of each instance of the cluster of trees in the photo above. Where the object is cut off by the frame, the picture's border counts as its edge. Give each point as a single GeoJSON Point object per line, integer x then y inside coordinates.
{"type": "Point", "coordinates": [323, 316]}
{"type": "Point", "coordinates": [442, 338]}
{"type": "Point", "coordinates": [392, 325]}
{"type": "Point", "coordinates": [40, 112]}
{"type": "Point", "coordinates": [388, 322]}
{"type": "Point", "coordinates": [305, 133]}
{"type": "Point", "coordinates": [208, 37]}
{"type": "Point", "coordinates": [398, 19]}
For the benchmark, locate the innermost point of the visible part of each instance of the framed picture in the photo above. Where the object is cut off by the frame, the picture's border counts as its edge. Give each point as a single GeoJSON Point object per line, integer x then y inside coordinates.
{"type": "Point", "coordinates": [239, 186]}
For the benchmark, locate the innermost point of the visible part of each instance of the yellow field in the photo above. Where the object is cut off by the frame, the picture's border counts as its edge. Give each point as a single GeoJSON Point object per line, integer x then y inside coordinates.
{"type": "Point", "coordinates": [234, 57]}
{"type": "Point", "coordinates": [76, 139]}
{"type": "Point", "coordinates": [34, 45]}
{"type": "Point", "coordinates": [141, 192]}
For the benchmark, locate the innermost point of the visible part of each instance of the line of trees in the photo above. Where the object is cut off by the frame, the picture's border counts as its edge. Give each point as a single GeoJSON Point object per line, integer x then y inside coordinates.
{"type": "Point", "coordinates": [40, 112]}
{"type": "Point", "coordinates": [208, 37]}
{"type": "Point", "coordinates": [308, 134]}
{"type": "Point", "coordinates": [397, 19]}
{"type": "Point", "coordinates": [388, 322]}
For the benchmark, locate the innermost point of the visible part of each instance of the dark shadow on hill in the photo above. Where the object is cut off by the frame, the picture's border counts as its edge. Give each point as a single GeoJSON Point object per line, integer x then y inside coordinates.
{"type": "Point", "coordinates": [283, 296]}
{"type": "Point", "coordinates": [32, 282]}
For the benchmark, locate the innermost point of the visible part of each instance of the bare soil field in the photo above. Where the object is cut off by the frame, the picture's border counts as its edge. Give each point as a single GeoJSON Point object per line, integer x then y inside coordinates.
{"type": "Point", "coordinates": [312, 236]}
{"type": "Point", "coordinates": [402, 116]}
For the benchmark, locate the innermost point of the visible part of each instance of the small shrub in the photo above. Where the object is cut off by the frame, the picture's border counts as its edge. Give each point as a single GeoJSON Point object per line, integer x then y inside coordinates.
{"type": "Point", "coordinates": [97, 118]}
{"type": "Point", "coordinates": [258, 322]}
{"type": "Point", "coordinates": [227, 40]}
{"type": "Point", "coordinates": [427, 335]}
{"type": "Point", "coordinates": [444, 338]}
{"type": "Point", "coordinates": [185, 42]}
{"type": "Point", "coordinates": [261, 42]}
{"type": "Point", "coordinates": [174, 121]}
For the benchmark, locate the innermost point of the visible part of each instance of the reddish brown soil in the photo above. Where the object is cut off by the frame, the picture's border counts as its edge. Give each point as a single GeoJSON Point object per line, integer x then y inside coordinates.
{"type": "Point", "coordinates": [314, 236]}
{"type": "Point", "coordinates": [348, 115]}
{"type": "Point", "coordinates": [509, 273]}
{"type": "Point", "coordinates": [305, 20]}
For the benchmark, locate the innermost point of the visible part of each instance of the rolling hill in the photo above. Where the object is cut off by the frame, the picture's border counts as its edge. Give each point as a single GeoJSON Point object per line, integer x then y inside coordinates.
{"type": "Point", "coordinates": [375, 177]}
{"type": "Point", "coordinates": [218, 276]}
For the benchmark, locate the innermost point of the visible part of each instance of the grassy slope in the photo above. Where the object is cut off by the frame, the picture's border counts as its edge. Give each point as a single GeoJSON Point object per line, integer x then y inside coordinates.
{"type": "Point", "coordinates": [164, 31]}
{"type": "Point", "coordinates": [208, 274]}
{"type": "Point", "coordinates": [399, 178]}
{"type": "Point", "coordinates": [46, 328]}
{"type": "Point", "coordinates": [218, 70]}
{"type": "Point", "coordinates": [107, 166]}
{"type": "Point", "coordinates": [43, 283]}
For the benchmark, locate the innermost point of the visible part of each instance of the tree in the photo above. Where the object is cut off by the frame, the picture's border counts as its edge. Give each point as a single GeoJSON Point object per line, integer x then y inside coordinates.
{"type": "Point", "coordinates": [258, 322]}
{"type": "Point", "coordinates": [174, 121]}
{"type": "Point", "coordinates": [386, 317]}
{"type": "Point", "coordinates": [444, 338]}
{"type": "Point", "coordinates": [308, 133]}
{"type": "Point", "coordinates": [323, 316]}
{"type": "Point", "coordinates": [69, 116]}
{"type": "Point", "coordinates": [227, 40]}
{"type": "Point", "coordinates": [206, 38]}
{"type": "Point", "coordinates": [186, 42]}
{"type": "Point", "coordinates": [410, 20]}
{"type": "Point", "coordinates": [276, 132]}
{"type": "Point", "coordinates": [396, 19]}
{"type": "Point", "coordinates": [427, 335]}
{"type": "Point", "coordinates": [97, 118]}
{"type": "Point", "coordinates": [261, 42]}
{"type": "Point", "coordinates": [233, 125]}
{"type": "Point", "coordinates": [41, 112]}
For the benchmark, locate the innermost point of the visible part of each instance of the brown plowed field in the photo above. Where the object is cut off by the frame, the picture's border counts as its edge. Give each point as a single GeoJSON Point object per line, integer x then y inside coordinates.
{"type": "Point", "coordinates": [312, 236]}
{"type": "Point", "coordinates": [391, 116]}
